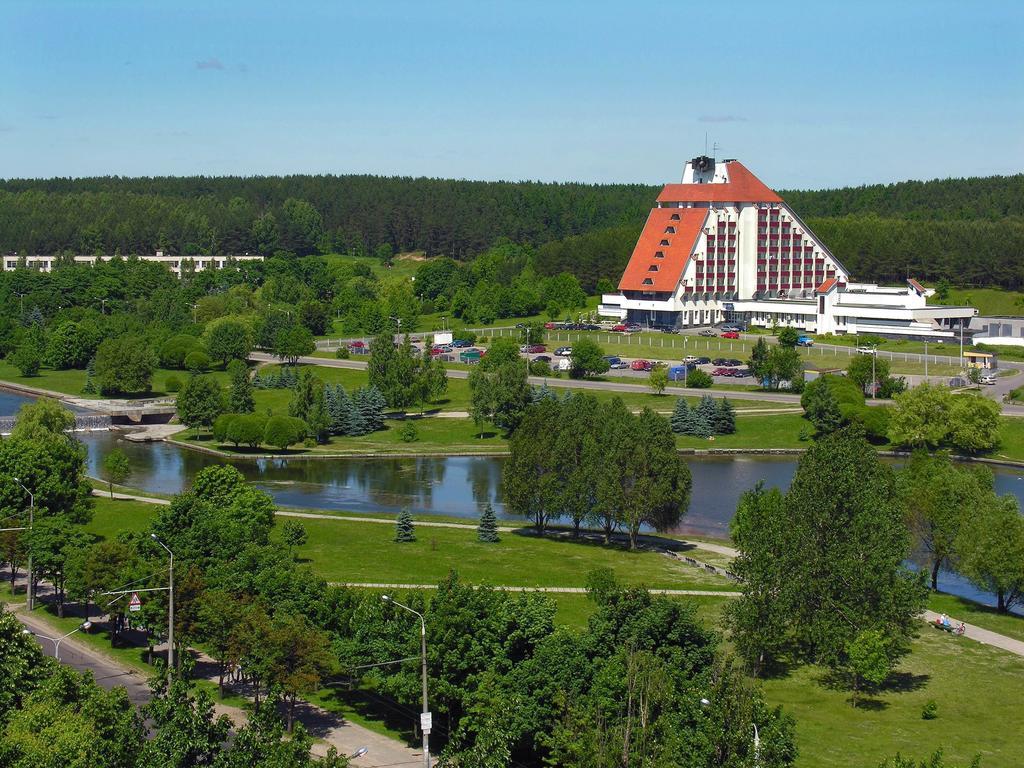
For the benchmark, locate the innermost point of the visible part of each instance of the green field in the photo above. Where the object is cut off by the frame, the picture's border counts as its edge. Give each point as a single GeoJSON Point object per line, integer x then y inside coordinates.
{"type": "Point", "coordinates": [977, 689]}
{"type": "Point", "coordinates": [71, 381]}
{"type": "Point", "coordinates": [988, 301]}
{"type": "Point", "coordinates": [359, 552]}
{"type": "Point", "coordinates": [978, 615]}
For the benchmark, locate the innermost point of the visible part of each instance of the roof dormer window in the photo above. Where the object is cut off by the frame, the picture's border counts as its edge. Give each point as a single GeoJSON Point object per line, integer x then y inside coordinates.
{"type": "Point", "coordinates": [648, 281]}
{"type": "Point", "coordinates": [664, 242]}
{"type": "Point", "coordinates": [670, 230]}
{"type": "Point", "coordinates": [653, 268]}
{"type": "Point", "coordinates": [659, 254]}
{"type": "Point", "coordinates": [674, 217]}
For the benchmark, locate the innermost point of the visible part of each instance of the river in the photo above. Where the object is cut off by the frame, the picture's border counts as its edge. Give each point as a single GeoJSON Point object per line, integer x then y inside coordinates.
{"type": "Point", "coordinates": [454, 486]}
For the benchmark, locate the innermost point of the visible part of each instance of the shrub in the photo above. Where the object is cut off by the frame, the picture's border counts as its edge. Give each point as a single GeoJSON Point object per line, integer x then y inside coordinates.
{"type": "Point", "coordinates": [283, 431]}
{"type": "Point", "coordinates": [342, 353]}
{"type": "Point", "coordinates": [222, 426]}
{"type": "Point", "coordinates": [698, 379]}
{"type": "Point", "coordinates": [173, 384]}
{"type": "Point", "coordinates": [930, 710]}
{"type": "Point", "coordinates": [197, 361]}
{"type": "Point", "coordinates": [26, 359]}
{"type": "Point", "coordinates": [247, 429]}
{"type": "Point", "coordinates": [539, 368]}
{"type": "Point", "coordinates": [174, 351]}
{"type": "Point", "coordinates": [409, 433]}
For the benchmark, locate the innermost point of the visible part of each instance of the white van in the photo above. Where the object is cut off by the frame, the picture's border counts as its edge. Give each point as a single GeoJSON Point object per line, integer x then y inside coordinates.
{"type": "Point", "coordinates": [563, 364]}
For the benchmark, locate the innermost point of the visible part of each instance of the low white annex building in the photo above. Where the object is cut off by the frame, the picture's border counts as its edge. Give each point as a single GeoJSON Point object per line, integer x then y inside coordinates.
{"type": "Point", "coordinates": [174, 263]}
{"type": "Point", "coordinates": [723, 246]}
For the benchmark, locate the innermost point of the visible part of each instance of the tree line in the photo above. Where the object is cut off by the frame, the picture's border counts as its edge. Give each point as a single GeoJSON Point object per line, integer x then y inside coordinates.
{"type": "Point", "coordinates": [967, 231]}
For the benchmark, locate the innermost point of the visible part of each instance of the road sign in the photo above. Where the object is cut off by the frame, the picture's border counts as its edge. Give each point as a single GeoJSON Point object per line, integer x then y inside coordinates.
{"type": "Point", "coordinates": [135, 604]}
{"type": "Point", "coordinates": [425, 721]}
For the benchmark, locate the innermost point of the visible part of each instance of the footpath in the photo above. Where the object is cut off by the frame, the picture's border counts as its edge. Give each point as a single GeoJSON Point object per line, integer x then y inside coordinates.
{"type": "Point", "coordinates": [327, 728]}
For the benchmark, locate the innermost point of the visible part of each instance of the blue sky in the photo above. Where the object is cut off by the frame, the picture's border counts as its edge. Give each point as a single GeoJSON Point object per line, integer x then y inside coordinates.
{"type": "Point", "coordinates": [807, 94]}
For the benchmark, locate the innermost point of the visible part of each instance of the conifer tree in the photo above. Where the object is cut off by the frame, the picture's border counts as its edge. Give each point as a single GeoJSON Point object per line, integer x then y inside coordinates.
{"type": "Point", "coordinates": [680, 416]}
{"type": "Point", "coordinates": [404, 528]}
{"type": "Point", "coordinates": [487, 530]}
{"type": "Point", "coordinates": [240, 398]}
{"type": "Point", "coordinates": [357, 414]}
{"type": "Point", "coordinates": [725, 418]}
{"type": "Point", "coordinates": [376, 403]}
{"type": "Point", "coordinates": [707, 414]}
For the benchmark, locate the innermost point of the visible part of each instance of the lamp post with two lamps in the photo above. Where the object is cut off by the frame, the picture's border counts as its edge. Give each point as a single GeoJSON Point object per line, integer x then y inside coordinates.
{"type": "Point", "coordinates": [86, 625]}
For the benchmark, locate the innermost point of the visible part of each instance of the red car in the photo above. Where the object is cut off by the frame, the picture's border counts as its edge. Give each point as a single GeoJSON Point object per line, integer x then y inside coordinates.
{"type": "Point", "coordinates": [549, 326]}
{"type": "Point", "coordinates": [722, 372]}
{"type": "Point", "coordinates": [730, 335]}
{"type": "Point", "coordinates": [640, 365]}
{"type": "Point", "coordinates": [533, 349]}
{"type": "Point", "coordinates": [357, 345]}
{"type": "Point", "coordinates": [620, 328]}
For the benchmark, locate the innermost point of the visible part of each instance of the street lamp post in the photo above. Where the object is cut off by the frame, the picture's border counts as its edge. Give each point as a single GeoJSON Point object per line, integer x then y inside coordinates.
{"type": "Point", "coordinates": [58, 640]}
{"type": "Point", "coordinates": [31, 519]}
{"type": "Point", "coordinates": [170, 607]}
{"type": "Point", "coordinates": [874, 383]}
{"type": "Point", "coordinates": [424, 721]}
{"type": "Point", "coordinates": [757, 736]}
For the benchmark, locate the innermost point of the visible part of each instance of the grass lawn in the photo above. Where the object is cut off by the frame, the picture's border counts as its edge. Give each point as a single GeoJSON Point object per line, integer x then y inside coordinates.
{"type": "Point", "coordinates": [71, 382]}
{"type": "Point", "coordinates": [756, 431]}
{"type": "Point", "coordinates": [977, 689]}
{"type": "Point", "coordinates": [357, 552]}
{"type": "Point", "coordinates": [112, 516]}
{"type": "Point", "coordinates": [989, 301]}
{"type": "Point", "coordinates": [978, 615]}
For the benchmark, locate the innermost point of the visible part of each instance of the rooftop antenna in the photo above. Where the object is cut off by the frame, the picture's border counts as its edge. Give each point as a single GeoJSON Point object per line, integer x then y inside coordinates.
{"type": "Point", "coordinates": [714, 150]}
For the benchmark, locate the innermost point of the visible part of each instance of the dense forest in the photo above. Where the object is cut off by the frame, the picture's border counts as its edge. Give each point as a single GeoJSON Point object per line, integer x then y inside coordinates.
{"type": "Point", "coordinates": [966, 231]}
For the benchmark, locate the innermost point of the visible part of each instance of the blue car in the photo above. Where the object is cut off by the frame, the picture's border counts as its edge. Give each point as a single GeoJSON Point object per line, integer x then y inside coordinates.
{"type": "Point", "coordinates": [461, 343]}
{"type": "Point", "coordinates": [805, 341]}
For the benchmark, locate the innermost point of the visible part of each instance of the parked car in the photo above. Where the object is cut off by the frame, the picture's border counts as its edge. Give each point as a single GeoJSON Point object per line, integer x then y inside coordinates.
{"type": "Point", "coordinates": [357, 345]}
{"type": "Point", "coordinates": [461, 344]}
{"type": "Point", "coordinates": [733, 361]}
{"type": "Point", "coordinates": [805, 341]}
{"type": "Point", "coordinates": [866, 351]}
{"type": "Point", "coordinates": [722, 372]}
{"type": "Point", "coordinates": [640, 365]}
{"type": "Point", "coordinates": [691, 360]}
{"type": "Point", "coordinates": [616, 363]}
{"type": "Point", "coordinates": [987, 378]}
{"type": "Point", "coordinates": [720, 361]}
{"type": "Point", "coordinates": [669, 329]}
{"type": "Point", "coordinates": [535, 348]}
{"type": "Point", "coordinates": [620, 328]}
{"type": "Point", "coordinates": [563, 351]}
{"type": "Point", "coordinates": [707, 332]}
{"type": "Point", "coordinates": [703, 361]}
{"type": "Point", "coordinates": [731, 335]}
{"type": "Point", "coordinates": [542, 359]}
{"type": "Point", "coordinates": [565, 364]}
{"type": "Point", "coordinates": [548, 326]}
{"type": "Point", "coordinates": [634, 327]}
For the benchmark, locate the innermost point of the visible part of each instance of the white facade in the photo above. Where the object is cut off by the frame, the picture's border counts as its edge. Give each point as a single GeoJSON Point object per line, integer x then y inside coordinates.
{"type": "Point", "coordinates": [742, 254]}
{"type": "Point", "coordinates": [174, 263]}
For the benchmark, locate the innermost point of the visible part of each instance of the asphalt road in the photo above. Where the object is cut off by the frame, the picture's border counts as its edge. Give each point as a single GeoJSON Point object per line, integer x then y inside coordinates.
{"type": "Point", "coordinates": [82, 658]}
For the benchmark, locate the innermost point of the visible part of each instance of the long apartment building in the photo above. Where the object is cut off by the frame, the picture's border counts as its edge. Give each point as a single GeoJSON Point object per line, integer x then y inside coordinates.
{"type": "Point", "coordinates": [721, 245]}
{"type": "Point", "coordinates": [174, 263]}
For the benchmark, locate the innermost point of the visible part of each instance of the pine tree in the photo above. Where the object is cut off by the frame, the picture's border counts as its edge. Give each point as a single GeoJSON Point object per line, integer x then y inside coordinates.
{"type": "Point", "coordinates": [707, 414]}
{"type": "Point", "coordinates": [404, 528]}
{"type": "Point", "coordinates": [725, 418]}
{"type": "Point", "coordinates": [487, 531]}
{"type": "Point", "coordinates": [376, 405]}
{"type": "Point", "coordinates": [90, 382]}
{"type": "Point", "coordinates": [357, 414]}
{"type": "Point", "coordinates": [680, 416]}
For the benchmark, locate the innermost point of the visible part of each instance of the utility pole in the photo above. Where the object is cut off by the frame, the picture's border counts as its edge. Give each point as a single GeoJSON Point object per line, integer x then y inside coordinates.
{"type": "Point", "coordinates": [874, 383]}
{"type": "Point", "coordinates": [170, 608]}
{"type": "Point", "coordinates": [926, 359]}
{"type": "Point", "coordinates": [31, 519]}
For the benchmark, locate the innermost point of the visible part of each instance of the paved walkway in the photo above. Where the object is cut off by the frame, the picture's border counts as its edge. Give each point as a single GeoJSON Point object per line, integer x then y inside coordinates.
{"type": "Point", "coordinates": [985, 636]}
{"type": "Point", "coordinates": [553, 590]}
